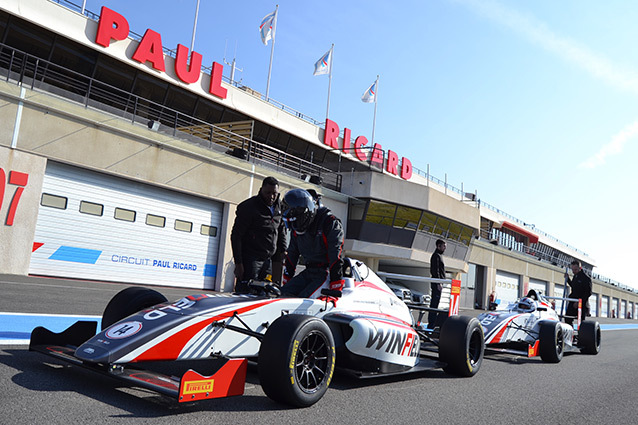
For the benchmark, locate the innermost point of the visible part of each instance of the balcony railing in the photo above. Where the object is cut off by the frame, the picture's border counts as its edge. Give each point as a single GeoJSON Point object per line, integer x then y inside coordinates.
{"type": "Point", "coordinates": [25, 69]}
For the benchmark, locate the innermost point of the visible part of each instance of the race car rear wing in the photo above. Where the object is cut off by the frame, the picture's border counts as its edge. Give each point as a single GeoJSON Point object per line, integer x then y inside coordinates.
{"type": "Point", "coordinates": [450, 295]}
{"type": "Point", "coordinates": [580, 308]}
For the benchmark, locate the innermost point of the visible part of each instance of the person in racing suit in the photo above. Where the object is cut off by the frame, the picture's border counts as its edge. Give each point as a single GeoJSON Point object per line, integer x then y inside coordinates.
{"type": "Point", "coordinates": [317, 235]}
{"type": "Point", "coordinates": [581, 288]}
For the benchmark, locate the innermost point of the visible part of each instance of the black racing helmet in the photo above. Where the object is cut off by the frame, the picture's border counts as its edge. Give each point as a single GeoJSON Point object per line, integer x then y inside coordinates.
{"type": "Point", "coordinates": [299, 209]}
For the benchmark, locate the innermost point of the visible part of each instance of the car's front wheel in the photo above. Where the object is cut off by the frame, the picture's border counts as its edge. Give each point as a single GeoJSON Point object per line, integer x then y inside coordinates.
{"type": "Point", "coordinates": [296, 360]}
{"type": "Point", "coordinates": [551, 343]}
{"type": "Point", "coordinates": [129, 301]}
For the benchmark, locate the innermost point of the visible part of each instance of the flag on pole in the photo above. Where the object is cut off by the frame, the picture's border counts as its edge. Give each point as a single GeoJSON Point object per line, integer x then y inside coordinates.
{"type": "Point", "coordinates": [322, 66]}
{"type": "Point", "coordinates": [267, 27]}
{"type": "Point", "coordinates": [371, 94]}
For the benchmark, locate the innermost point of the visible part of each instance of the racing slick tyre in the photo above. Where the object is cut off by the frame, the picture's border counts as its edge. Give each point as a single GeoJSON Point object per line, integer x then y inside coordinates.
{"type": "Point", "coordinates": [129, 301]}
{"type": "Point", "coordinates": [589, 337]}
{"type": "Point", "coordinates": [551, 345]}
{"type": "Point", "coordinates": [296, 360]}
{"type": "Point", "coordinates": [461, 345]}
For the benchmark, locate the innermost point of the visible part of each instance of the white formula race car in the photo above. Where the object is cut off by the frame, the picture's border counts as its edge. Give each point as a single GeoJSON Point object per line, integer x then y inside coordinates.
{"type": "Point", "coordinates": [297, 342]}
{"type": "Point", "coordinates": [531, 327]}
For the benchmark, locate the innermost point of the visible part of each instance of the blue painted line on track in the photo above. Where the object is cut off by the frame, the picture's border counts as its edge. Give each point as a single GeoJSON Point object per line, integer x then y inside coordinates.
{"type": "Point", "coordinates": [16, 328]}
{"type": "Point", "coordinates": [618, 327]}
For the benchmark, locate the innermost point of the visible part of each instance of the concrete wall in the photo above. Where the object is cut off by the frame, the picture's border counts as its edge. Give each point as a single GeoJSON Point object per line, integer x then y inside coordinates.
{"type": "Point", "coordinates": [56, 129]}
{"type": "Point", "coordinates": [395, 190]}
{"type": "Point", "coordinates": [16, 237]}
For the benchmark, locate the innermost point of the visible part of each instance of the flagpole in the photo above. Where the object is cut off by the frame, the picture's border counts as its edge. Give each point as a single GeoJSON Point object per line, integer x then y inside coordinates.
{"type": "Point", "coordinates": [272, 51]}
{"type": "Point", "coordinates": [330, 80]}
{"type": "Point", "coordinates": [194, 26]}
{"type": "Point", "coordinates": [374, 120]}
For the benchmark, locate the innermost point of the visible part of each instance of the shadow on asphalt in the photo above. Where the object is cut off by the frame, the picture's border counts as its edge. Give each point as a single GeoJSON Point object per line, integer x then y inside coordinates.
{"type": "Point", "coordinates": [36, 372]}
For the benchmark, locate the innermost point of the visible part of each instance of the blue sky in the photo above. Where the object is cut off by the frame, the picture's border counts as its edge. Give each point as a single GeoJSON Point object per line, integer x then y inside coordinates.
{"type": "Point", "coordinates": [532, 104]}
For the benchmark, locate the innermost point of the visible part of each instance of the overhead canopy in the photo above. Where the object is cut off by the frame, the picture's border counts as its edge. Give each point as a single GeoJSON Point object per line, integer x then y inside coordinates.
{"type": "Point", "coordinates": [533, 238]}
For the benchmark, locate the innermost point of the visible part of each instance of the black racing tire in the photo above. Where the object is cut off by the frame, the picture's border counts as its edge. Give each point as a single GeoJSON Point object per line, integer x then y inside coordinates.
{"type": "Point", "coordinates": [461, 345]}
{"type": "Point", "coordinates": [551, 344]}
{"type": "Point", "coordinates": [589, 337]}
{"type": "Point", "coordinates": [296, 360]}
{"type": "Point", "coordinates": [129, 301]}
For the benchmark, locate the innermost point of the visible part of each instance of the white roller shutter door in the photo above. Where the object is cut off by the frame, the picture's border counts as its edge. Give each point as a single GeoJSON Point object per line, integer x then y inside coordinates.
{"type": "Point", "coordinates": [507, 287]}
{"type": "Point", "coordinates": [160, 237]}
{"type": "Point", "coordinates": [538, 285]}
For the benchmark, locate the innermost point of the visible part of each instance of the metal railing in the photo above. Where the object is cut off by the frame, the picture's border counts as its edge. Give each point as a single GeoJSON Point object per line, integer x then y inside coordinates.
{"type": "Point", "coordinates": [532, 228]}
{"type": "Point", "coordinates": [172, 52]}
{"type": "Point", "coordinates": [25, 69]}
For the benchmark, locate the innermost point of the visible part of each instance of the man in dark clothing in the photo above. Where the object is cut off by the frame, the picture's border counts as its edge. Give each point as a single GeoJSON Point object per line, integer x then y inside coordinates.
{"type": "Point", "coordinates": [437, 270]}
{"type": "Point", "coordinates": [581, 287]}
{"type": "Point", "coordinates": [258, 236]}
{"type": "Point", "coordinates": [317, 235]}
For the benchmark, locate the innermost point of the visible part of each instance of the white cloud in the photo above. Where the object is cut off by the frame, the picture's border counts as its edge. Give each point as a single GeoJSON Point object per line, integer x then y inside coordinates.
{"type": "Point", "coordinates": [538, 33]}
{"type": "Point", "coordinates": [614, 147]}
{"type": "Point", "coordinates": [588, 60]}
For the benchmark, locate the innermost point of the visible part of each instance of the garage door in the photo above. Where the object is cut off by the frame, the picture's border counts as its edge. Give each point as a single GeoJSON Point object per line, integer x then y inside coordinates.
{"type": "Point", "coordinates": [539, 286]}
{"type": "Point", "coordinates": [94, 226]}
{"type": "Point", "coordinates": [604, 307]}
{"type": "Point", "coordinates": [593, 305]}
{"type": "Point", "coordinates": [507, 288]}
{"type": "Point", "coordinates": [559, 291]}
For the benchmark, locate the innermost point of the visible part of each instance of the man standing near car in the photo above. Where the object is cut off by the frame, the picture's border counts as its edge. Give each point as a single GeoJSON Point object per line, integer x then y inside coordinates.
{"type": "Point", "coordinates": [258, 237]}
{"type": "Point", "coordinates": [437, 270]}
{"type": "Point", "coordinates": [581, 288]}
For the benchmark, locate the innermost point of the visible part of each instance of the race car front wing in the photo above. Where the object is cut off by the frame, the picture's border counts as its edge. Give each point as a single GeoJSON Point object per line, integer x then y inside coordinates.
{"type": "Point", "coordinates": [228, 381]}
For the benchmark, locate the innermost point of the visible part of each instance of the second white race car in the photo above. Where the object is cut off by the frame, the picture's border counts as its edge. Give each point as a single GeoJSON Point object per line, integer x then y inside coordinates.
{"type": "Point", "coordinates": [531, 327]}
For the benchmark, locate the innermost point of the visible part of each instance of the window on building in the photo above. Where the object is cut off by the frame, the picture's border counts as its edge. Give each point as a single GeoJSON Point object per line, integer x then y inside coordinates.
{"type": "Point", "coordinates": [91, 208]}
{"type": "Point", "coordinates": [183, 226]}
{"type": "Point", "coordinates": [208, 230]}
{"type": "Point", "coordinates": [407, 218]}
{"type": "Point", "coordinates": [467, 233]}
{"type": "Point", "coordinates": [380, 213]}
{"type": "Point", "coordinates": [155, 220]}
{"type": "Point", "coordinates": [53, 201]}
{"type": "Point", "coordinates": [356, 209]}
{"type": "Point", "coordinates": [29, 38]}
{"type": "Point", "coordinates": [442, 227]}
{"type": "Point", "coordinates": [124, 214]}
{"type": "Point", "coordinates": [428, 221]}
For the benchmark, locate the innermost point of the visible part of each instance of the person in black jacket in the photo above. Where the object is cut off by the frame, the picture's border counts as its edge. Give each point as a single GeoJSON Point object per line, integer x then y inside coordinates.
{"type": "Point", "coordinates": [317, 235]}
{"type": "Point", "coordinates": [581, 287]}
{"type": "Point", "coordinates": [437, 270]}
{"type": "Point", "coordinates": [258, 237]}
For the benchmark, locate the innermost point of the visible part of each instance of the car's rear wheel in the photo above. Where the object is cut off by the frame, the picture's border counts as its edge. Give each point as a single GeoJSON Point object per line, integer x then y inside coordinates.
{"type": "Point", "coordinates": [296, 360]}
{"type": "Point", "coordinates": [129, 301]}
{"type": "Point", "coordinates": [461, 345]}
{"type": "Point", "coordinates": [589, 337]}
{"type": "Point", "coordinates": [551, 345]}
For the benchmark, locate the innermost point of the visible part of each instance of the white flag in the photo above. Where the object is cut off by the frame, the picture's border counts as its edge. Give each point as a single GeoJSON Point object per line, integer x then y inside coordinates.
{"type": "Point", "coordinates": [371, 94]}
{"type": "Point", "coordinates": [322, 66]}
{"type": "Point", "coordinates": [267, 27]}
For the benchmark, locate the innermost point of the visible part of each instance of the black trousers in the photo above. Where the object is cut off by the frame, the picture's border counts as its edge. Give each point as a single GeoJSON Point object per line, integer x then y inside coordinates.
{"type": "Point", "coordinates": [572, 310]}
{"type": "Point", "coordinates": [253, 270]}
